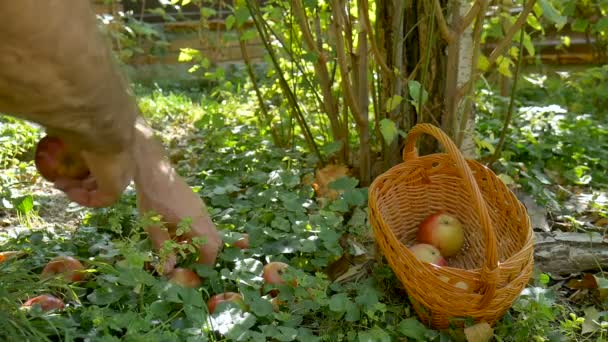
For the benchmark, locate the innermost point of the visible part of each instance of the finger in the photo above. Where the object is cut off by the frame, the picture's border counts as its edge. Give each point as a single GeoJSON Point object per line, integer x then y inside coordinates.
{"type": "Point", "coordinates": [158, 236]}
{"type": "Point", "coordinates": [65, 184]}
{"type": "Point", "coordinates": [112, 173]}
{"type": "Point", "coordinates": [91, 199]}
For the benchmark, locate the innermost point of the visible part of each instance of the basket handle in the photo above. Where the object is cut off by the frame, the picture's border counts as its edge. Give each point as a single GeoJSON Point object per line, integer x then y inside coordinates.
{"type": "Point", "coordinates": [489, 271]}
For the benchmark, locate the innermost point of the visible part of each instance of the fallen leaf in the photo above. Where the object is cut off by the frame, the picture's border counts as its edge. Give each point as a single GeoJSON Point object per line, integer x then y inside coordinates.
{"type": "Point", "coordinates": [587, 282]}
{"type": "Point", "coordinates": [326, 175]}
{"type": "Point", "coordinates": [480, 332]}
{"type": "Point", "coordinates": [592, 317]}
{"type": "Point", "coordinates": [603, 222]}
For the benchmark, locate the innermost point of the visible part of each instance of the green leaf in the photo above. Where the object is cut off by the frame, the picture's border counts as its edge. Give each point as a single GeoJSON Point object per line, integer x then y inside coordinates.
{"type": "Point", "coordinates": [393, 103]}
{"type": "Point", "coordinates": [533, 22]}
{"type": "Point", "coordinates": [249, 34]}
{"type": "Point", "coordinates": [601, 25]}
{"type": "Point", "coordinates": [592, 318]}
{"type": "Point", "coordinates": [579, 25]}
{"type": "Point", "coordinates": [415, 90]}
{"type": "Point", "coordinates": [344, 183]}
{"type": "Point", "coordinates": [188, 54]}
{"type": "Point", "coordinates": [230, 20]}
{"type": "Point", "coordinates": [353, 313]}
{"type": "Point", "coordinates": [388, 128]}
{"type": "Point", "coordinates": [483, 63]}
{"type": "Point", "coordinates": [504, 64]}
{"type": "Point", "coordinates": [241, 14]}
{"type": "Point", "coordinates": [552, 14]}
{"type": "Point", "coordinates": [338, 302]}
{"type": "Point", "coordinates": [412, 328]}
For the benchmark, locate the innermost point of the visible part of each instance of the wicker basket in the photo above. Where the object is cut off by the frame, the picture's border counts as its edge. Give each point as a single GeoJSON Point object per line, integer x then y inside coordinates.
{"type": "Point", "coordinates": [497, 258]}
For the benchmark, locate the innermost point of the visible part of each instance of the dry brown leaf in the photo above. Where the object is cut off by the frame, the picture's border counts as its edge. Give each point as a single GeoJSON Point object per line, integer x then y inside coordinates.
{"type": "Point", "coordinates": [480, 332]}
{"type": "Point", "coordinates": [587, 282]}
{"type": "Point", "coordinates": [326, 175]}
{"type": "Point", "coordinates": [603, 222]}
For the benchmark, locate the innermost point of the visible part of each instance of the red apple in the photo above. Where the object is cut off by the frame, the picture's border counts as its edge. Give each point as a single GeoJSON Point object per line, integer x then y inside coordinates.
{"type": "Point", "coordinates": [70, 268]}
{"type": "Point", "coordinates": [55, 159]}
{"type": "Point", "coordinates": [185, 277]}
{"type": "Point", "coordinates": [243, 243]}
{"type": "Point", "coordinates": [428, 253]}
{"type": "Point", "coordinates": [272, 275]}
{"type": "Point", "coordinates": [234, 297]}
{"type": "Point", "coordinates": [442, 231]}
{"type": "Point", "coordinates": [46, 302]}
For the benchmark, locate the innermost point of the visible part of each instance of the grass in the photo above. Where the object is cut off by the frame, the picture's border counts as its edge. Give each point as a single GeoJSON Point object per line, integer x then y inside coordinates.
{"type": "Point", "coordinates": [253, 187]}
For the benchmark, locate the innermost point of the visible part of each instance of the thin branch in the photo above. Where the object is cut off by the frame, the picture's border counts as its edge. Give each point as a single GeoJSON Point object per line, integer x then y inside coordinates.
{"type": "Point", "coordinates": [505, 127]}
{"type": "Point", "coordinates": [506, 41]}
{"type": "Point", "coordinates": [477, 31]}
{"type": "Point", "coordinates": [367, 27]}
{"type": "Point", "coordinates": [470, 16]}
{"type": "Point", "coordinates": [342, 61]}
{"type": "Point", "coordinates": [446, 32]}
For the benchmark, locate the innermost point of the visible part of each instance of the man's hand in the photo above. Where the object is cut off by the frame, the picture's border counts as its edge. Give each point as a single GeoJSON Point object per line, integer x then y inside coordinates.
{"type": "Point", "coordinates": [161, 190]}
{"type": "Point", "coordinates": [109, 176]}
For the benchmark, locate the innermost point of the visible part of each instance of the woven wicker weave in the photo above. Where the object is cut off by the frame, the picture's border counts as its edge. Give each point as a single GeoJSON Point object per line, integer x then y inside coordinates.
{"type": "Point", "coordinates": [497, 258]}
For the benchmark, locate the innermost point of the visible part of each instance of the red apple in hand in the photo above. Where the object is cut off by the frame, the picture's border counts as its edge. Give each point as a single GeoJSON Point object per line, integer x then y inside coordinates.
{"type": "Point", "coordinates": [55, 159]}
{"type": "Point", "coordinates": [442, 231]}
{"type": "Point", "coordinates": [46, 302]}
{"type": "Point", "coordinates": [272, 275]}
{"type": "Point", "coordinates": [185, 277]}
{"type": "Point", "coordinates": [242, 243]}
{"type": "Point", "coordinates": [68, 267]}
{"type": "Point", "coordinates": [234, 297]}
{"type": "Point", "coordinates": [428, 253]}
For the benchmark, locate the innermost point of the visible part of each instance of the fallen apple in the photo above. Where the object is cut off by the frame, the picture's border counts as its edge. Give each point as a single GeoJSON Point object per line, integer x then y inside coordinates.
{"type": "Point", "coordinates": [272, 275]}
{"type": "Point", "coordinates": [54, 159]}
{"type": "Point", "coordinates": [442, 231]}
{"type": "Point", "coordinates": [242, 243]}
{"type": "Point", "coordinates": [67, 266]}
{"type": "Point", "coordinates": [233, 297]}
{"type": "Point", "coordinates": [6, 255]}
{"type": "Point", "coordinates": [46, 302]}
{"type": "Point", "coordinates": [428, 253]}
{"type": "Point", "coordinates": [185, 277]}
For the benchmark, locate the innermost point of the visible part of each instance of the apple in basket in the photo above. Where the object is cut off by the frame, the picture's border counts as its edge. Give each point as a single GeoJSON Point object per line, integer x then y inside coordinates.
{"type": "Point", "coordinates": [428, 253]}
{"type": "Point", "coordinates": [442, 231]}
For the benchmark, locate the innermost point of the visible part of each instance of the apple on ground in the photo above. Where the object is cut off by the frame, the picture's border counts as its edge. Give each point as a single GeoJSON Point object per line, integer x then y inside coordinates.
{"type": "Point", "coordinates": [272, 275]}
{"type": "Point", "coordinates": [233, 297]}
{"type": "Point", "coordinates": [54, 159]}
{"type": "Point", "coordinates": [442, 231]}
{"type": "Point", "coordinates": [46, 302]}
{"type": "Point", "coordinates": [70, 268]}
{"type": "Point", "coordinates": [185, 277]}
{"type": "Point", "coordinates": [6, 255]}
{"type": "Point", "coordinates": [428, 253]}
{"type": "Point", "coordinates": [242, 243]}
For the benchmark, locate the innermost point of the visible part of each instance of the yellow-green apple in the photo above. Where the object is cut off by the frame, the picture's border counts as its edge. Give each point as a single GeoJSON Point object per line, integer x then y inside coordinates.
{"type": "Point", "coordinates": [185, 277]}
{"type": "Point", "coordinates": [428, 253]}
{"type": "Point", "coordinates": [234, 297]}
{"type": "Point", "coordinates": [442, 231]}
{"type": "Point", "coordinates": [46, 302]}
{"type": "Point", "coordinates": [68, 267]}
{"type": "Point", "coordinates": [54, 159]}
{"type": "Point", "coordinates": [272, 275]}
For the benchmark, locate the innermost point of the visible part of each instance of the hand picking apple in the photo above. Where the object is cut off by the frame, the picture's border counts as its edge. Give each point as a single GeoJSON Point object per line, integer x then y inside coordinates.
{"type": "Point", "coordinates": [442, 231]}
{"type": "Point", "coordinates": [64, 78]}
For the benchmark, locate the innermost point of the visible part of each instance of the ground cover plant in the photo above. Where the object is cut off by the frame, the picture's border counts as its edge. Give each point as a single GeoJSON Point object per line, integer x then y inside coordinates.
{"type": "Point", "coordinates": [344, 291]}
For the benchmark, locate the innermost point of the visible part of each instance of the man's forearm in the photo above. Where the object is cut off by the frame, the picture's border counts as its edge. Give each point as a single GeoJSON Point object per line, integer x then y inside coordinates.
{"type": "Point", "coordinates": [57, 70]}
